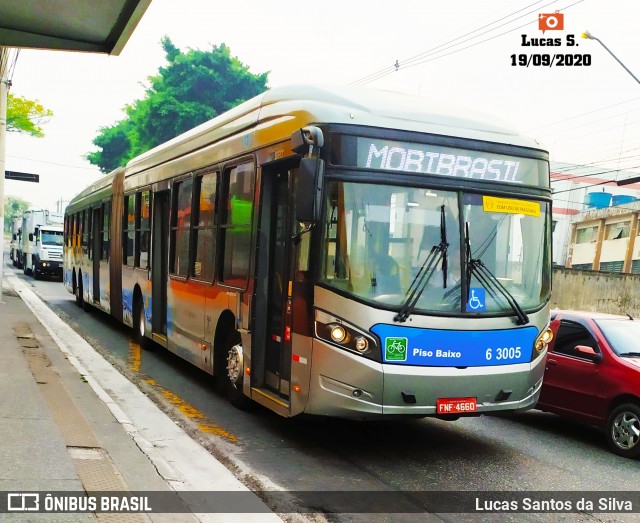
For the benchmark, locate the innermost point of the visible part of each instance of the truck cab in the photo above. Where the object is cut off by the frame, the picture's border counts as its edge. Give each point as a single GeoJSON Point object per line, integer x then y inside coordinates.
{"type": "Point", "coordinates": [42, 240]}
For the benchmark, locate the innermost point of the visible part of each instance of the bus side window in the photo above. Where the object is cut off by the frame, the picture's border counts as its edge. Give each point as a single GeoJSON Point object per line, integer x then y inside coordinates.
{"type": "Point", "coordinates": [235, 224]}
{"type": "Point", "coordinates": [129, 230]}
{"type": "Point", "coordinates": [204, 227]}
{"type": "Point", "coordinates": [181, 227]}
{"type": "Point", "coordinates": [143, 228]}
{"type": "Point", "coordinates": [106, 213]}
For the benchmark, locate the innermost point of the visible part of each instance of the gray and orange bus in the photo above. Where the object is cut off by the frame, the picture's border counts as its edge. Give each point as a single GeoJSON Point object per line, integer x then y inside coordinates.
{"type": "Point", "coordinates": [335, 251]}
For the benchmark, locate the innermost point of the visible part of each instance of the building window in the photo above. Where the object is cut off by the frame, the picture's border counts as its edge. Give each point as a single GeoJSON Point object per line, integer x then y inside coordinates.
{"type": "Point", "coordinates": [180, 227]}
{"type": "Point", "coordinates": [612, 266]}
{"type": "Point", "coordinates": [204, 226]}
{"type": "Point", "coordinates": [616, 231]}
{"type": "Point", "coordinates": [587, 235]}
{"type": "Point", "coordinates": [582, 266]}
{"type": "Point", "coordinates": [235, 234]}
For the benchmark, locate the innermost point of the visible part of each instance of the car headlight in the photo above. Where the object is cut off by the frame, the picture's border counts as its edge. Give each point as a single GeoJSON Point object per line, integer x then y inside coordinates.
{"type": "Point", "coordinates": [342, 334]}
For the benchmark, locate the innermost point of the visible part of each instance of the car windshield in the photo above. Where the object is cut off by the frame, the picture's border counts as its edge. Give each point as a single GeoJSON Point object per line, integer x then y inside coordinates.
{"type": "Point", "coordinates": [623, 335]}
{"type": "Point", "coordinates": [379, 240]}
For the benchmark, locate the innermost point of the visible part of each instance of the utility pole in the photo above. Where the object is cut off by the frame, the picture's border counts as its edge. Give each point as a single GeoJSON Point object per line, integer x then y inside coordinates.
{"type": "Point", "coordinates": [4, 87]}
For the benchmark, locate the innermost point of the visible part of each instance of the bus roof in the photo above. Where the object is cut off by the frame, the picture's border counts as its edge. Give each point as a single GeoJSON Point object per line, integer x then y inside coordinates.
{"type": "Point", "coordinates": [337, 104]}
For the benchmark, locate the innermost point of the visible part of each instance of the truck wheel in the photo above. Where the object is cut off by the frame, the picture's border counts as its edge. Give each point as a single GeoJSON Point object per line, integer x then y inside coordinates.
{"type": "Point", "coordinates": [623, 430]}
{"type": "Point", "coordinates": [36, 273]}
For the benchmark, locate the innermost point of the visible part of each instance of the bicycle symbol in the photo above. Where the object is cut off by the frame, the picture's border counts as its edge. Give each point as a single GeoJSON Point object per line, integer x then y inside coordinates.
{"type": "Point", "coordinates": [397, 347]}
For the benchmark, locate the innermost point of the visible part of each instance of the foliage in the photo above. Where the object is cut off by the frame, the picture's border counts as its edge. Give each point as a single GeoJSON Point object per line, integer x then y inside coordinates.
{"type": "Point", "coordinates": [194, 87]}
{"type": "Point", "coordinates": [26, 116]}
{"type": "Point", "coordinates": [14, 208]}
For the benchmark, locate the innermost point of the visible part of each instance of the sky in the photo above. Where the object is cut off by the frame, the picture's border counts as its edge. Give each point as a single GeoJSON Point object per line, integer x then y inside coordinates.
{"type": "Point", "coordinates": [457, 51]}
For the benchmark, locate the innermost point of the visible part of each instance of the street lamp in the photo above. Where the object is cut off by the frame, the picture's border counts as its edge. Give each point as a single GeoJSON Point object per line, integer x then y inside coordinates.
{"type": "Point", "coordinates": [587, 35]}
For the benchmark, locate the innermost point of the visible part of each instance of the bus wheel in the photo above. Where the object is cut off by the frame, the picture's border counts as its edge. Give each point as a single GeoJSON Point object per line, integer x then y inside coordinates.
{"type": "Point", "coordinates": [78, 293]}
{"type": "Point", "coordinates": [80, 296]}
{"type": "Point", "coordinates": [234, 374]}
{"type": "Point", "coordinates": [623, 430]}
{"type": "Point", "coordinates": [139, 326]}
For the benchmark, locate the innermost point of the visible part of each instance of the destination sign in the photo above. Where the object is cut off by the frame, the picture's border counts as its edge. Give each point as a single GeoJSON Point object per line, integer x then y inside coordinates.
{"type": "Point", "coordinates": [447, 161]}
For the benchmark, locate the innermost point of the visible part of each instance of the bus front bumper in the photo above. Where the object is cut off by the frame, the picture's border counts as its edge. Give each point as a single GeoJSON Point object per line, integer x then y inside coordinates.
{"type": "Point", "coordinates": [347, 385]}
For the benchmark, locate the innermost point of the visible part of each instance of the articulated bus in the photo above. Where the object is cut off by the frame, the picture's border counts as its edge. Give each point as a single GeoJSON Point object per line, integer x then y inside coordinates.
{"type": "Point", "coordinates": [332, 251]}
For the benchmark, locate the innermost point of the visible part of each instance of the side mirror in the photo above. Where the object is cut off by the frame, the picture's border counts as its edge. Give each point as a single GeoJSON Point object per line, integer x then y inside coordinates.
{"type": "Point", "coordinates": [30, 236]}
{"type": "Point", "coordinates": [588, 352]}
{"type": "Point", "coordinates": [14, 237]}
{"type": "Point", "coordinates": [308, 187]}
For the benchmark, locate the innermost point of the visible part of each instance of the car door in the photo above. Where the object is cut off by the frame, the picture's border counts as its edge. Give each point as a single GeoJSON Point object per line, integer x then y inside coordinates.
{"type": "Point", "coordinates": [571, 380]}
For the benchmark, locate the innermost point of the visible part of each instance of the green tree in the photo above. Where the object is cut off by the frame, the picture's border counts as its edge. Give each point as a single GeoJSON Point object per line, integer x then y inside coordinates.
{"type": "Point", "coordinates": [13, 208]}
{"type": "Point", "coordinates": [192, 88]}
{"type": "Point", "coordinates": [26, 116]}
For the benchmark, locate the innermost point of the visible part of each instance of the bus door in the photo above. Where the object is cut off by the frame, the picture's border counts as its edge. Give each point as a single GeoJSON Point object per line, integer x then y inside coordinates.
{"type": "Point", "coordinates": [272, 345]}
{"type": "Point", "coordinates": [96, 251]}
{"type": "Point", "coordinates": [159, 261]}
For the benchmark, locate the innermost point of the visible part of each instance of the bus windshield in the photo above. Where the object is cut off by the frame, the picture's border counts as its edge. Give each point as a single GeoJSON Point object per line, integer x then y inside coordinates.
{"type": "Point", "coordinates": [378, 239]}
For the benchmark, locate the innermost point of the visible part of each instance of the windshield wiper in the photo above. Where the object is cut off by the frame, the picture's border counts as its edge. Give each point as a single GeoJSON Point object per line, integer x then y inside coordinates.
{"type": "Point", "coordinates": [624, 354]}
{"type": "Point", "coordinates": [490, 282]}
{"type": "Point", "coordinates": [419, 283]}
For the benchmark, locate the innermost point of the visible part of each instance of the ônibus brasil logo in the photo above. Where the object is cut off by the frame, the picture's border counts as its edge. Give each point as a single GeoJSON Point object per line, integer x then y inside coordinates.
{"type": "Point", "coordinates": [395, 349]}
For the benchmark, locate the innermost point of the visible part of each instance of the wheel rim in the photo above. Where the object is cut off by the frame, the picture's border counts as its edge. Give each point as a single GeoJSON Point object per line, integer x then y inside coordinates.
{"type": "Point", "coordinates": [234, 365]}
{"type": "Point", "coordinates": [625, 430]}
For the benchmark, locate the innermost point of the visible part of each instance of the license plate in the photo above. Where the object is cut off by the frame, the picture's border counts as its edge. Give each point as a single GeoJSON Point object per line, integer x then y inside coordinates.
{"type": "Point", "coordinates": [456, 405]}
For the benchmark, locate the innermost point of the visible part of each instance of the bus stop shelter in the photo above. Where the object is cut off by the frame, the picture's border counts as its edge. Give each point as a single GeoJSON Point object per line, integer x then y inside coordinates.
{"type": "Point", "coordinates": [94, 26]}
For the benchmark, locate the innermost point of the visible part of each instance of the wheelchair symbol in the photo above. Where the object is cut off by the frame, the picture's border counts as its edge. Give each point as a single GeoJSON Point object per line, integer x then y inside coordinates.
{"type": "Point", "coordinates": [475, 303]}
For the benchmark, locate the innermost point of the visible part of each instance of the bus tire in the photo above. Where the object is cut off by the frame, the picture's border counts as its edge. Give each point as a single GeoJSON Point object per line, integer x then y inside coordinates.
{"type": "Point", "coordinates": [233, 373]}
{"type": "Point", "coordinates": [139, 325]}
{"type": "Point", "coordinates": [622, 430]}
{"type": "Point", "coordinates": [79, 293]}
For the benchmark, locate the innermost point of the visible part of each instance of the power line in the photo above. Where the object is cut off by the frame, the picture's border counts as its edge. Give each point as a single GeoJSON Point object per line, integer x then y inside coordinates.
{"type": "Point", "coordinates": [387, 70]}
{"type": "Point", "coordinates": [51, 163]}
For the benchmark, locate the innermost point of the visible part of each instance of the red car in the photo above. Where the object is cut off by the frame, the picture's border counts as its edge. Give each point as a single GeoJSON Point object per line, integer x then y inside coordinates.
{"type": "Point", "coordinates": [593, 375]}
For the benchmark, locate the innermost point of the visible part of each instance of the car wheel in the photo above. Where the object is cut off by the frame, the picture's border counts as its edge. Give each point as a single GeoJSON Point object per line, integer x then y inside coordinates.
{"type": "Point", "coordinates": [623, 430]}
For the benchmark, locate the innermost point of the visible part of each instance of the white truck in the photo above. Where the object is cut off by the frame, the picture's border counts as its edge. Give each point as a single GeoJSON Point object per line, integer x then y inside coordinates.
{"type": "Point", "coordinates": [42, 240]}
{"type": "Point", "coordinates": [16, 249]}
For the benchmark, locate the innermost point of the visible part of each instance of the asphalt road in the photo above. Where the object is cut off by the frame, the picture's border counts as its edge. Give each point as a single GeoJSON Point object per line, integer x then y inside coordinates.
{"type": "Point", "coordinates": [533, 451]}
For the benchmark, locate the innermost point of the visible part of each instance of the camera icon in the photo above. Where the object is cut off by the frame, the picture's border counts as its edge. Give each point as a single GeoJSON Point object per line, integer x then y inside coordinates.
{"type": "Point", "coordinates": [551, 21]}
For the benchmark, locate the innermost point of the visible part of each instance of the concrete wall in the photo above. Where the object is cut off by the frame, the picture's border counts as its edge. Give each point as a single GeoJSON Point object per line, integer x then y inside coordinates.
{"type": "Point", "coordinates": [596, 291]}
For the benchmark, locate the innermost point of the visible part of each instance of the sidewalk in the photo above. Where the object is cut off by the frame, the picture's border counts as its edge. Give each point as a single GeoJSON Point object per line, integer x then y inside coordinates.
{"type": "Point", "coordinates": [69, 421]}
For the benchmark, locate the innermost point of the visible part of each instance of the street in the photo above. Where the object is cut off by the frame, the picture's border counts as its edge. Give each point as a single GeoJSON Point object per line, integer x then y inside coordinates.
{"type": "Point", "coordinates": [533, 451]}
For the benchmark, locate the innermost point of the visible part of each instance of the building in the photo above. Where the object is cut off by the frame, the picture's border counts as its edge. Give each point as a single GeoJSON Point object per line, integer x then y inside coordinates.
{"type": "Point", "coordinates": [595, 221]}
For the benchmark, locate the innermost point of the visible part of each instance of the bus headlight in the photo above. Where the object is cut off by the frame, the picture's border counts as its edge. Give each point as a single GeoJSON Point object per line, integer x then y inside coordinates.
{"type": "Point", "coordinates": [542, 341]}
{"type": "Point", "coordinates": [342, 334]}
{"type": "Point", "coordinates": [338, 333]}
